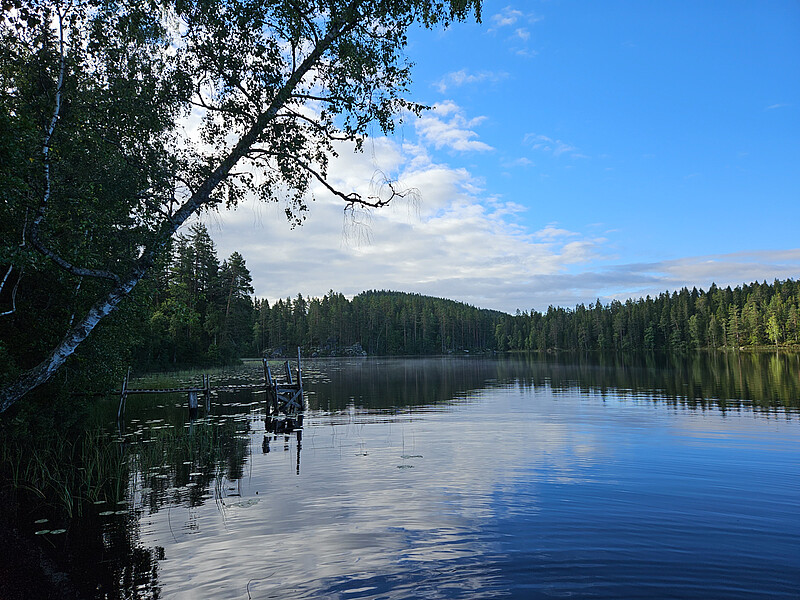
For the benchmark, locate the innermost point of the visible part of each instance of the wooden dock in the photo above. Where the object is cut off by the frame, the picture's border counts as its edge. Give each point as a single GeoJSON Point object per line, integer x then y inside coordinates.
{"type": "Point", "coordinates": [284, 398]}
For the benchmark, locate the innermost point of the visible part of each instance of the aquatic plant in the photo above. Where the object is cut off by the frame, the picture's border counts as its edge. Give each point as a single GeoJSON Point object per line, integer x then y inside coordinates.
{"type": "Point", "coordinates": [61, 469]}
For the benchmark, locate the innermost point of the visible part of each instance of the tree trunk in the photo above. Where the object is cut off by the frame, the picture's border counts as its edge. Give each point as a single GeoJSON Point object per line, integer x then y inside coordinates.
{"type": "Point", "coordinates": [39, 374]}
{"type": "Point", "coordinates": [74, 337]}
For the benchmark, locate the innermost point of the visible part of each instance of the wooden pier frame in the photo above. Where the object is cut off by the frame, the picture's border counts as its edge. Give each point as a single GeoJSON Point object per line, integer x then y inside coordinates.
{"type": "Point", "coordinates": [192, 395]}
{"type": "Point", "coordinates": [284, 397]}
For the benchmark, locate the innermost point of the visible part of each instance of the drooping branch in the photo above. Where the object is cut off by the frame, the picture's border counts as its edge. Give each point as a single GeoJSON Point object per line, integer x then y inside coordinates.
{"type": "Point", "coordinates": [351, 199]}
{"type": "Point", "coordinates": [13, 291]}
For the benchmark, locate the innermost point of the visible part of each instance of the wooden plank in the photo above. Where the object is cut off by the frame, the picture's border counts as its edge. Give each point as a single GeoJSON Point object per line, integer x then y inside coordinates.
{"type": "Point", "coordinates": [299, 371]}
{"type": "Point", "coordinates": [288, 373]}
{"type": "Point", "coordinates": [164, 391]}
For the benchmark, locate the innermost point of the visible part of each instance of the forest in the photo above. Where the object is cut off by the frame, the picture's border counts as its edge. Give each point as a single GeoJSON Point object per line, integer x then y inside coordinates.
{"type": "Point", "coordinates": [747, 316]}
{"type": "Point", "coordinates": [198, 310]}
{"type": "Point", "coordinates": [203, 311]}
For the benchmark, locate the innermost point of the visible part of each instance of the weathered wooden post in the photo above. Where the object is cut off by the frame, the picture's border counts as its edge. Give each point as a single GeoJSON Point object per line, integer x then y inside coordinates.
{"type": "Point", "coordinates": [299, 447]}
{"type": "Point", "coordinates": [192, 404]}
{"type": "Point", "coordinates": [207, 392]}
{"type": "Point", "coordinates": [123, 400]}
{"type": "Point", "coordinates": [288, 373]}
{"type": "Point", "coordinates": [300, 378]}
{"type": "Point", "coordinates": [269, 384]}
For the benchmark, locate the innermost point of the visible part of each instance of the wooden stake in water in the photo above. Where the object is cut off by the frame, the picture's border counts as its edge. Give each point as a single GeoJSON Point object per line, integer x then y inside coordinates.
{"type": "Point", "coordinates": [269, 384]}
{"type": "Point", "coordinates": [192, 404]}
{"type": "Point", "coordinates": [123, 397]}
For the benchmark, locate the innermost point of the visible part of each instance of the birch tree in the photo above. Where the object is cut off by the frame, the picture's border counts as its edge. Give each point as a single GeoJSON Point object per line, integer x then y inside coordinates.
{"type": "Point", "coordinates": [98, 94]}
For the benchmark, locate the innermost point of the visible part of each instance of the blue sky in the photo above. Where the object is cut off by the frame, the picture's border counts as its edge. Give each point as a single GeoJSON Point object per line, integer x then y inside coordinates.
{"type": "Point", "coordinates": [576, 150]}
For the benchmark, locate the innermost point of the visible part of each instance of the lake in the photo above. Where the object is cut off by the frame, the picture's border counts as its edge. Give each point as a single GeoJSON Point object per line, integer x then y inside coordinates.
{"type": "Point", "coordinates": [468, 477]}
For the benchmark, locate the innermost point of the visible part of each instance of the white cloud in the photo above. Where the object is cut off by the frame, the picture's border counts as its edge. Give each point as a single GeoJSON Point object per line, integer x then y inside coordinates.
{"type": "Point", "coordinates": [506, 17]}
{"type": "Point", "coordinates": [519, 162]}
{"type": "Point", "coordinates": [464, 77]}
{"type": "Point", "coordinates": [522, 34]}
{"type": "Point", "coordinates": [513, 18]}
{"type": "Point", "coordinates": [637, 280]}
{"type": "Point", "coordinates": [460, 246]}
{"type": "Point", "coordinates": [459, 242]}
{"type": "Point", "coordinates": [455, 133]}
{"type": "Point", "coordinates": [551, 232]}
{"type": "Point", "coordinates": [550, 145]}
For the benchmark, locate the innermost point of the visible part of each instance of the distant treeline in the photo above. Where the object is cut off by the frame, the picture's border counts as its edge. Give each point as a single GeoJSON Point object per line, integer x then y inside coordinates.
{"type": "Point", "coordinates": [202, 311]}
{"type": "Point", "coordinates": [751, 315]}
{"type": "Point", "coordinates": [381, 322]}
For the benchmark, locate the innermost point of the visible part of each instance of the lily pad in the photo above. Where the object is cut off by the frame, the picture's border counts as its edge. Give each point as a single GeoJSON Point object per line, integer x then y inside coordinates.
{"type": "Point", "coordinates": [247, 503]}
{"type": "Point", "coordinates": [40, 521]}
{"type": "Point", "coordinates": [106, 513]}
{"type": "Point", "coordinates": [42, 532]}
{"type": "Point", "coordinates": [58, 531]}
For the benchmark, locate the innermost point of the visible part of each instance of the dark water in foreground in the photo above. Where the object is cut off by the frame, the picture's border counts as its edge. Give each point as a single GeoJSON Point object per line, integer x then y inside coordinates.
{"type": "Point", "coordinates": [511, 477]}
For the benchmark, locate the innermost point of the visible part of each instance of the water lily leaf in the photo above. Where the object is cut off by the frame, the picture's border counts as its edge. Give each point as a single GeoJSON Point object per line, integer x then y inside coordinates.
{"type": "Point", "coordinates": [42, 532]}
{"type": "Point", "coordinates": [247, 503]}
{"type": "Point", "coordinates": [40, 521]}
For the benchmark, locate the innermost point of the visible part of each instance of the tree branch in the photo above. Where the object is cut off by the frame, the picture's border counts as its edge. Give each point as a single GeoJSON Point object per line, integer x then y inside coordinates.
{"type": "Point", "coordinates": [42, 209]}
{"type": "Point", "coordinates": [352, 198]}
{"type": "Point", "coordinates": [330, 99]}
{"type": "Point", "coordinates": [340, 137]}
{"type": "Point", "coordinates": [13, 291]}
{"type": "Point", "coordinates": [311, 27]}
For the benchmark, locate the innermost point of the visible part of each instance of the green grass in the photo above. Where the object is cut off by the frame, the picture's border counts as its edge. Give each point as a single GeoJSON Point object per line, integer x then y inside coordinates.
{"type": "Point", "coordinates": [62, 471]}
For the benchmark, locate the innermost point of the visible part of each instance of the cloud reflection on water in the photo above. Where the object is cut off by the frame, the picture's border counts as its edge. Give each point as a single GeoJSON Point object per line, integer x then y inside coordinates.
{"type": "Point", "coordinates": [514, 475]}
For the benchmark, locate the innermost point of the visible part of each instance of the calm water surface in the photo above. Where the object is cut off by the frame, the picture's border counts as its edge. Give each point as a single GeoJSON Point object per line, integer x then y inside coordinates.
{"type": "Point", "coordinates": [472, 477]}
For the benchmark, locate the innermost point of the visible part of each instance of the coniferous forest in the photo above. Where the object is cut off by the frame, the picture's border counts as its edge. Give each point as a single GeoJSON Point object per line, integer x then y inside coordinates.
{"type": "Point", "coordinates": [202, 311]}
{"type": "Point", "coordinates": [199, 310]}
